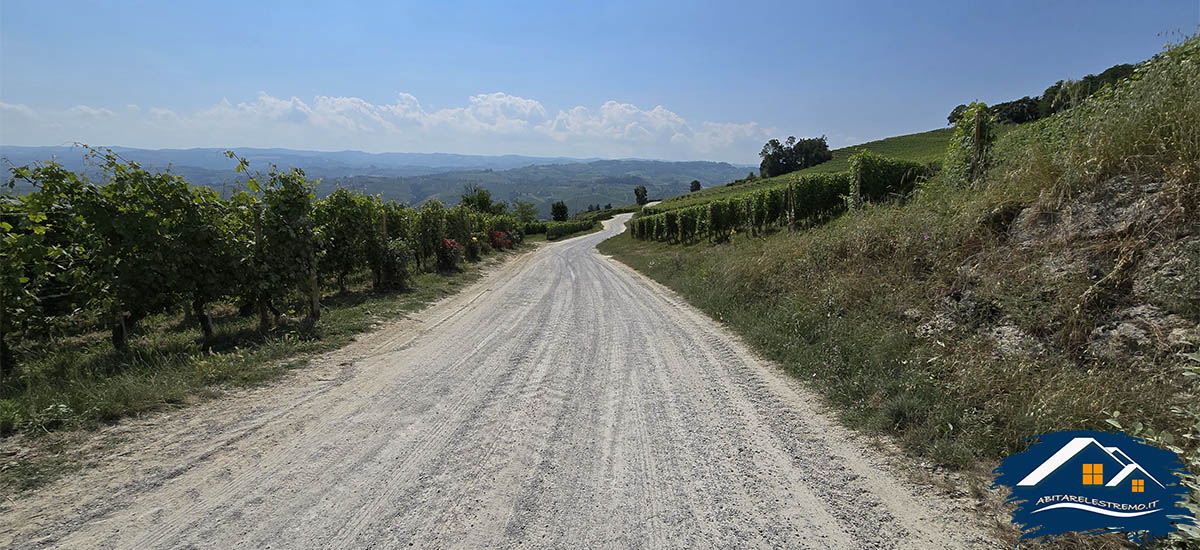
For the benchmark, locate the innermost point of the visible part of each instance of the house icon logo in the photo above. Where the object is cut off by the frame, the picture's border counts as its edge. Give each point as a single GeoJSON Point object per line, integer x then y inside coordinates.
{"type": "Point", "coordinates": [1094, 482]}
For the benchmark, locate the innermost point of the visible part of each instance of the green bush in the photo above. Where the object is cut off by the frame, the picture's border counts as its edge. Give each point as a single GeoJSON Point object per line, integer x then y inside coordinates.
{"type": "Point", "coordinates": [558, 230]}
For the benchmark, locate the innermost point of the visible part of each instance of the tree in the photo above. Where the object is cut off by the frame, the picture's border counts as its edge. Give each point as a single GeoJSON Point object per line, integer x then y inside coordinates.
{"type": "Point", "coordinates": [608, 206]}
{"type": "Point", "coordinates": [480, 200]}
{"type": "Point", "coordinates": [695, 185]}
{"type": "Point", "coordinates": [1017, 111]}
{"type": "Point", "coordinates": [558, 211]}
{"type": "Point", "coordinates": [956, 114]}
{"type": "Point", "coordinates": [525, 212]}
{"type": "Point", "coordinates": [1065, 94]}
{"type": "Point", "coordinates": [782, 158]}
{"type": "Point", "coordinates": [639, 195]}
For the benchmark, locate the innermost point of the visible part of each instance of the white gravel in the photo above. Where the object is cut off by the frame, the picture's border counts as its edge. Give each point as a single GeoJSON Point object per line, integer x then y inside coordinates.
{"type": "Point", "coordinates": [564, 401]}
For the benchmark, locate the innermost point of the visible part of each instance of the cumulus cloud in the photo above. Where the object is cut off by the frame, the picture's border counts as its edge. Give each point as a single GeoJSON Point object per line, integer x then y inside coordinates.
{"type": "Point", "coordinates": [492, 123]}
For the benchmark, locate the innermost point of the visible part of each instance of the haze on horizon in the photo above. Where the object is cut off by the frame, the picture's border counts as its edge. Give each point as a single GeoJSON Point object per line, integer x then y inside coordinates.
{"type": "Point", "coordinates": [674, 81]}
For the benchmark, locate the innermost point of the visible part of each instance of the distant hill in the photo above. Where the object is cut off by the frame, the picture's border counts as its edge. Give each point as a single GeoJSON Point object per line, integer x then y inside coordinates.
{"type": "Point", "coordinates": [578, 184]}
{"type": "Point", "coordinates": [416, 177]}
{"type": "Point", "coordinates": [342, 163]}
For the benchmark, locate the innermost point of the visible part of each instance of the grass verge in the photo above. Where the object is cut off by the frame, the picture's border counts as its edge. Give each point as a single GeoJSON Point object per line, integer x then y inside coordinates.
{"type": "Point", "coordinates": [1055, 293]}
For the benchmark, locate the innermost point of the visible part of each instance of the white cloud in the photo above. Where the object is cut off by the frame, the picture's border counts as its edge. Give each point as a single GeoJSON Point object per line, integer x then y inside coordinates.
{"type": "Point", "coordinates": [493, 123]}
{"type": "Point", "coordinates": [9, 110]}
{"type": "Point", "coordinates": [88, 113]}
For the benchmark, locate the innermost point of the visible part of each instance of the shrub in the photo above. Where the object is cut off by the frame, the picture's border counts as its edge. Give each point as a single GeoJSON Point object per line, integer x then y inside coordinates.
{"type": "Point", "coordinates": [557, 230]}
{"type": "Point", "coordinates": [392, 271]}
{"type": "Point", "coordinates": [474, 249]}
{"type": "Point", "coordinates": [449, 255]}
{"type": "Point", "coordinates": [499, 240]}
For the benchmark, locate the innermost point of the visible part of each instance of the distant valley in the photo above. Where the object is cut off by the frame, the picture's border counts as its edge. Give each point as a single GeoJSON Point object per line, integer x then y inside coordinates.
{"type": "Point", "coordinates": [416, 177]}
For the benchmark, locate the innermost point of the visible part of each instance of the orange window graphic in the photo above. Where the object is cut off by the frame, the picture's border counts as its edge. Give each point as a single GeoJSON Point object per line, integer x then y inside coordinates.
{"type": "Point", "coordinates": [1139, 485]}
{"type": "Point", "coordinates": [1093, 474]}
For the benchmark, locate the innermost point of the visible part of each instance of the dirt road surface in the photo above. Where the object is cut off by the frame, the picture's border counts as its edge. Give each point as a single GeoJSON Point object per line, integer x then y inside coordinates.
{"type": "Point", "coordinates": [563, 401]}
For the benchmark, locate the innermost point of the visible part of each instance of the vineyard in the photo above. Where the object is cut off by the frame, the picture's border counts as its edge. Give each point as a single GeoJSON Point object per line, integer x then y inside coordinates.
{"type": "Point", "coordinates": [799, 200]}
{"type": "Point", "coordinates": [80, 256]}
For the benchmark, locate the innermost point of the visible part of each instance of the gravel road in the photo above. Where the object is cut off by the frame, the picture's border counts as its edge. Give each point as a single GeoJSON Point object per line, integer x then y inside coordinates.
{"type": "Point", "coordinates": [563, 401]}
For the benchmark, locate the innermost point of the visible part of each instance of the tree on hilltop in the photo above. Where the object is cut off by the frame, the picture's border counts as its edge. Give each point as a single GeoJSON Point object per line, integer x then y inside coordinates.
{"type": "Point", "coordinates": [558, 211]}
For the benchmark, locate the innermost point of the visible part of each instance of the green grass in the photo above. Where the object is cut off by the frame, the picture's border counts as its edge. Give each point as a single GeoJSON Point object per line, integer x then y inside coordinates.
{"type": "Point", "coordinates": [79, 382]}
{"type": "Point", "coordinates": [829, 305]}
{"type": "Point", "coordinates": [921, 147]}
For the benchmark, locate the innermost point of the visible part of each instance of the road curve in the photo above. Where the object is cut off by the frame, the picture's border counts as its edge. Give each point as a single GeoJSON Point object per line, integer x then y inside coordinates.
{"type": "Point", "coordinates": [563, 401]}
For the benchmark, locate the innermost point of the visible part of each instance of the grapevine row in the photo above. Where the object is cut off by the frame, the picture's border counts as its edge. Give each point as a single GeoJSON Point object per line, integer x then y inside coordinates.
{"type": "Point", "coordinates": [138, 243]}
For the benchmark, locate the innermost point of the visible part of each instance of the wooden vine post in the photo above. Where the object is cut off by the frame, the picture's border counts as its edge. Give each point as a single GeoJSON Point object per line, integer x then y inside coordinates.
{"type": "Point", "coordinates": [384, 250]}
{"type": "Point", "coordinates": [4, 366]}
{"type": "Point", "coordinates": [977, 147]}
{"type": "Point", "coordinates": [260, 297]}
{"type": "Point", "coordinates": [314, 285]}
{"type": "Point", "coordinates": [749, 205]}
{"type": "Point", "coordinates": [790, 202]}
{"type": "Point", "coordinates": [314, 280]}
{"type": "Point", "coordinates": [858, 200]}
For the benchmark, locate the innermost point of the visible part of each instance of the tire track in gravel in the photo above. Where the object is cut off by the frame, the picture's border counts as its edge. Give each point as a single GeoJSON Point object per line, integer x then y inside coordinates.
{"type": "Point", "coordinates": [563, 401]}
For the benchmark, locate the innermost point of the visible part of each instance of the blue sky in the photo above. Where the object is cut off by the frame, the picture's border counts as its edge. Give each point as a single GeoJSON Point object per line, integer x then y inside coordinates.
{"type": "Point", "coordinates": [682, 80]}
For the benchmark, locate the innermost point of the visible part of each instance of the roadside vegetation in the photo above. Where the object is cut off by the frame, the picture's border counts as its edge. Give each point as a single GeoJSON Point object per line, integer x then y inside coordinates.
{"type": "Point", "coordinates": [141, 291]}
{"type": "Point", "coordinates": [1043, 277]}
{"type": "Point", "coordinates": [574, 226]}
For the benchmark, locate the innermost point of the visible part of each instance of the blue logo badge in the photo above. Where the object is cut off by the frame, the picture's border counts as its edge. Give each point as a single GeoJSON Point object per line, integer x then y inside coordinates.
{"type": "Point", "coordinates": [1094, 482]}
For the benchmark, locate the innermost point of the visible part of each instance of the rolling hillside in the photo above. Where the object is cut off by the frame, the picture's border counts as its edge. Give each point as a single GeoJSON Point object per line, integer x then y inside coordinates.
{"type": "Point", "coordinates": [578, 184]}
{"type": "Point", "coordinates": [920, 147]}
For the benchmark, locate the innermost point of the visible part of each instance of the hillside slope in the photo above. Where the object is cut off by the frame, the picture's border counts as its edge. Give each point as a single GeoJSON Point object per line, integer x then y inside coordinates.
{"type": "Point", "coordinates": [1062, 292]}
{"type": "Point", "coordinates": [919, 147]}
{"type": "Point", "coordinates": [923, 147]}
